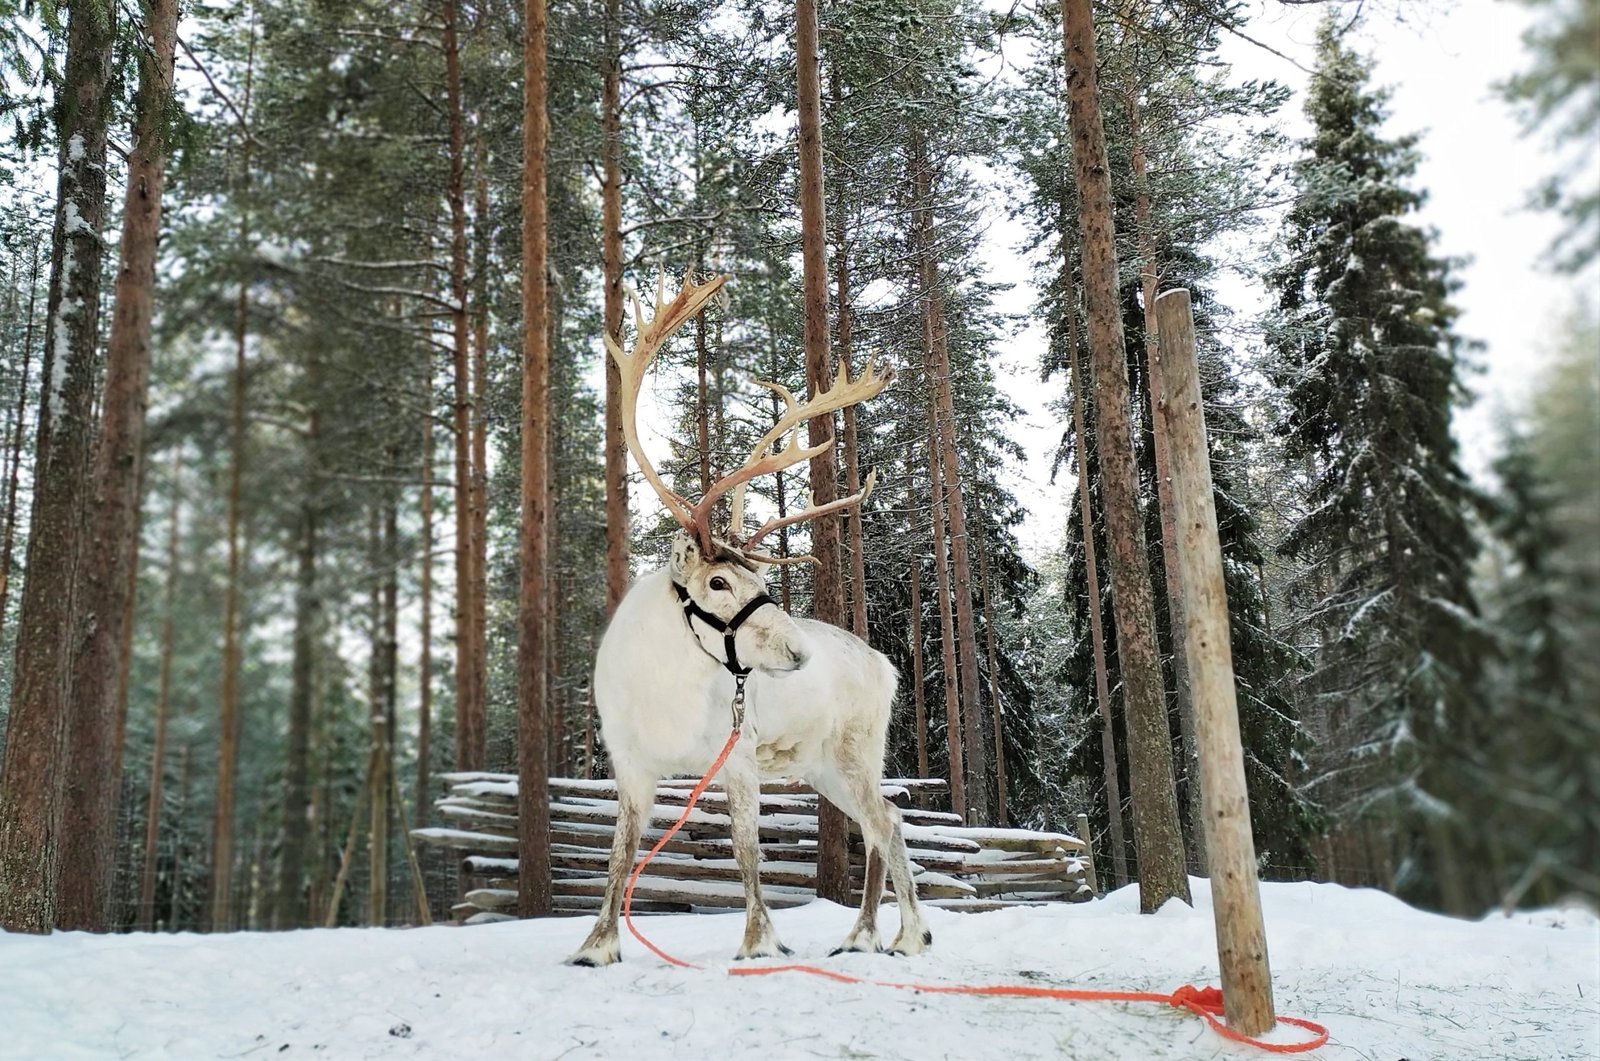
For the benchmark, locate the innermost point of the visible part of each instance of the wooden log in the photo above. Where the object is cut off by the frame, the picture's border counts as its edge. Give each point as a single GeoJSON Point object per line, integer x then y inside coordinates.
{"type": "Point", "coordinates": [464, 839]}
{"type": "Point", "coordinates": [1088, 854]}
{"type": "Point", "coordinates": [981, 906]}
{"type": "Point", "coordinates": [1023, 867]}
{"type": "Point", "coordinates": [1236, 894]}
{"type": "Point", "coordinates": [710, 894]}
{"type": "Point", "coordinates": [975, 839]}
{"type": "Point", "coordinates": [1032, 888]}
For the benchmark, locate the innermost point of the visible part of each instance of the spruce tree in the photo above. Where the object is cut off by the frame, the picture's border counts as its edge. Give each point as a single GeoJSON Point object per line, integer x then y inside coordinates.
{"type": "Point", "coordinates": [1368, 363]}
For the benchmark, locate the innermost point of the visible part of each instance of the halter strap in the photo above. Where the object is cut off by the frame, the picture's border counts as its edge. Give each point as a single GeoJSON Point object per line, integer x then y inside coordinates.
{"type": "Point", "coordinates": [727, 628]}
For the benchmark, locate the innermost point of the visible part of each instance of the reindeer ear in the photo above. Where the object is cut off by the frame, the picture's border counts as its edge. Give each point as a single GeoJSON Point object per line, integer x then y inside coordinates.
{"type": "Point", "coordinates": [685, 556]}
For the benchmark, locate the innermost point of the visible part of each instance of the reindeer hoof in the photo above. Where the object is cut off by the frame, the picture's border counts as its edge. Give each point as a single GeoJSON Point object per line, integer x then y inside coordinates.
{"type": "Point", "coordinates": [596, 956]}
{"type": "Point", "coordinates": [905, 947]}
{"type": "Point", "coordinates": [858, 942]}
{"type": "Point", "coordinates": [769, 948]}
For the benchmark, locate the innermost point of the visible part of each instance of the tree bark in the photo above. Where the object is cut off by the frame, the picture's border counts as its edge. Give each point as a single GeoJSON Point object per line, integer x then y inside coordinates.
{"type": "Point", "coordinates": [947, 626]}
{"type": "Point", "coordinates": [534, 613]}
{"type": "Point", "coordinates": [104, 594]}
{"type": "Point", "coordinates": [943, 420]}
{"type": "Point", "coordinates": [842, 352]}
{"type": "Point", "coordinates": [919, 696]}
{"type": "Point", "coordinates": [1155, 808]}
{"type": "Point", "coordinates": [616, 448]}
{"type": "Point", "coordinates": [158, 753]}
{"type": "Point", "coordinates": [221, 907]}
{"type": "Point", "coordinates": [14, 446]}
{"type": "Point", "coordinates": [1097, 637]}
{"type": "Point", "coordinates": [425, 591]}
{"type": "Point", "coordinates": [994, 689]}
{"type": "Point", "coordinates": [1149, 281]}
{"type": "Point", "coordinates": [480, 445]}
{"type": "Point", "coordinates": [289, 903]}
{"type": "Point", "coordinates": [31, 773]}
{"type": "Point", "coordinates": [827, 603]}
{"type": "Point", "coordinates": [469, 708]}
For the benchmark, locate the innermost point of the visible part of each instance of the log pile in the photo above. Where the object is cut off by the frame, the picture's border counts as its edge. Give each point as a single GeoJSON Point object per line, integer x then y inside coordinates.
{"type": "Point", "coordinates": [954, 866]}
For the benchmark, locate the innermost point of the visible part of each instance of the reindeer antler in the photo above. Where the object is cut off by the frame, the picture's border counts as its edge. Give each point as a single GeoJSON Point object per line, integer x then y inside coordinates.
{"type": "Point", "coordinates": [649, 338]}
{"type": "Point", "coordinates": [770, 454]}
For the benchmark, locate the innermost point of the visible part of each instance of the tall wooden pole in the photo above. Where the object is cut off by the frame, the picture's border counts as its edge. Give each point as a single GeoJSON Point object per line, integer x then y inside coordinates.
{"type": "Point", "coordinates": [1236, 894]}
{"type": "Point", "coordinates": [534, 611]}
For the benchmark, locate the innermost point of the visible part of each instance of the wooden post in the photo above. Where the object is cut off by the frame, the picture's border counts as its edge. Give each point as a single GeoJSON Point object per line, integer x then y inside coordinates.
{"type": "Point", "coordinates": [1235, 893]}
{"type": "Point", "coordinates": [1088, 854]}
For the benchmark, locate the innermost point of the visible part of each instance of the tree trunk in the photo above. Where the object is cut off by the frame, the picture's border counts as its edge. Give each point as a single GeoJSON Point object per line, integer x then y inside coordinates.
{"type": "Point", "coordinates": [425, 590]}
{"type": "Point", "coordinates": [15, 447]}
{"type": "Point", "coordinates": [943, 419]}
{"type": "Point", "coordinates": [827, 604]}
{"type": "Point", "coordinates": [175, 910]}
{"type": "Point", "coordinates": [228, 752]}
{"type": "Point", "coordinates": [289, 908]}
{"type": "Point", "coordinates": [534, 611]}
{"type": "Point", "coordinates": [1097, 637]}
{"type": "Point", "coordinates": [158, 753]}
{"type": "Point", "coordinates": [919, 696]}
{"type": "Point", "coordinates": [994, 689]}
{"type": "Point", "coordinates": [104, 593]}
{"type": "Point", "coordinates": [616, 448]}
{"type": "Point", "coordinates": [480, 447]}
{"type": "Point", "coordinates": [947, 626]}
{"type": "Point", "coordinates": [31, 772]}
{"type": "Point", "coordinates": [1155, 807]}
{"type": "Point", "coordinates": [842, 352]}
{"type": "Point", "coordinates": [382, 707]}
{"type": "Point", "coordinates": [469, 708]}
{"type": "Point", "coordinates": [1149, 281]}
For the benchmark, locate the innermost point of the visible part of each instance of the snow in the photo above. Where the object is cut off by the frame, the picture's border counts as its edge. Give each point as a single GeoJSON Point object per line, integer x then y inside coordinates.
{"type": "Point", "coordinates": [1387, 980]}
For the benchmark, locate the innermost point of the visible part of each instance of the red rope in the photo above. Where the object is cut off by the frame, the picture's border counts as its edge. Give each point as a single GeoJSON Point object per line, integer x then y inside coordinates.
{"type": "Point", "coordinates": [1203, 1002]}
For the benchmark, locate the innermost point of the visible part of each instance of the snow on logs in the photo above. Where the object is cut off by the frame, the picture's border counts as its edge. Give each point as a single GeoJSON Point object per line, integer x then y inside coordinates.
{"type": "Point", "coordinates": [954, 866]}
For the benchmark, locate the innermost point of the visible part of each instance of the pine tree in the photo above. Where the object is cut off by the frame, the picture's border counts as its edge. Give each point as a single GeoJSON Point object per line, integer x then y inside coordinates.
{"type": "Point", "coordinates": [1369, 366]}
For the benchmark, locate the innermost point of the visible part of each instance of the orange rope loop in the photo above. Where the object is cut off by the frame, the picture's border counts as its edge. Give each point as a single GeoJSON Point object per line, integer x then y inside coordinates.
{"type": "Point", "coordinates": [1203, 1002]}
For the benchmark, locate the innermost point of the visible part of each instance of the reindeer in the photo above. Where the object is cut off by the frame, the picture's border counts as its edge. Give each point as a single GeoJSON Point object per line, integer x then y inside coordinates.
{"type": "Point", "coordinates": [702, 634]}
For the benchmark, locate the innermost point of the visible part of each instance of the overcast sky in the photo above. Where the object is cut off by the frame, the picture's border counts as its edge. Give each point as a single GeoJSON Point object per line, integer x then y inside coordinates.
{"type": "Point", "coordinates": [1441, 60]}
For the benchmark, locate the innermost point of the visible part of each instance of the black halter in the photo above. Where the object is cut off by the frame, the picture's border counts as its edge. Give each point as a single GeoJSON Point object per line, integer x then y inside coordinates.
{"type": "Point", "coordinates": [728, 628]}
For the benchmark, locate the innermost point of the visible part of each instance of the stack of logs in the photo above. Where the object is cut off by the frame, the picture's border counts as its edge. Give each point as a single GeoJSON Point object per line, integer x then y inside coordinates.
{"type": "Point", "coordinates": [954, 866]}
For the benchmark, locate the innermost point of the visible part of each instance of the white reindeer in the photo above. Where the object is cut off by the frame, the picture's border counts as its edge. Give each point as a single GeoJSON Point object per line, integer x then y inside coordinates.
{"type": "Point", "coordinates": [686, 637]}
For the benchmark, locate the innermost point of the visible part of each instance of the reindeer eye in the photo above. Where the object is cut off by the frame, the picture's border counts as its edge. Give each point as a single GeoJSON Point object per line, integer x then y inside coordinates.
{"type": "Point", "coordinates": [719, 583]}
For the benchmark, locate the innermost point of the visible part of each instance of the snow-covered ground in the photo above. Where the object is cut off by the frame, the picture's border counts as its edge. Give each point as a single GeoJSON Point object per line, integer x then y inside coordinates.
{"type": "Point", "coordinates": [1388, 981]}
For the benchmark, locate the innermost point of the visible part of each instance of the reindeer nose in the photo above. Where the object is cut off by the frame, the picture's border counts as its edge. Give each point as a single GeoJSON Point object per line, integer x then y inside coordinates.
{"type": "Point", "coordinates": [798, 656]}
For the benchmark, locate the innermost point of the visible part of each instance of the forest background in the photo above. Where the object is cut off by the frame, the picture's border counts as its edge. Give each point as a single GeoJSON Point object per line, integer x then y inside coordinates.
{"type": "Point", "coordinates": [327, 480]}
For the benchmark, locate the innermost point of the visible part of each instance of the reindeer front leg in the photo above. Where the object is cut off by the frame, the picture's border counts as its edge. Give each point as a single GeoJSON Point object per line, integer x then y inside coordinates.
{"type": "Point", "coordinates": [635, 797]}
{"type": "Point", "coordinates": [744, 806]}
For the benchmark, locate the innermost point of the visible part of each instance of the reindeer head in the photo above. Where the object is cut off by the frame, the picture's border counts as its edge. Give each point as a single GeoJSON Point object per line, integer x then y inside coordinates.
{"type": "Point", "coordinates": [724, 576]}
{"type": "Point", "coordinates": [729, 587]}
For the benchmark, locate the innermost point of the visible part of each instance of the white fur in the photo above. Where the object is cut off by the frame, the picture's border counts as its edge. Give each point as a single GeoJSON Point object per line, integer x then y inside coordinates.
{"type": "Point", "coordinates": [818, 704]}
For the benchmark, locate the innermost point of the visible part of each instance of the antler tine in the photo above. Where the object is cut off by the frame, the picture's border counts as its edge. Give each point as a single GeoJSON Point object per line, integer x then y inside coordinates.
{"type": "Point", "coordinates": [812, 512]}
{"type": "Point", "coordinates": [765, 458]}
{"type": "Point", "coordinates": [736, 499]}
{"type": "Point", "coordinates": [649, 337]}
